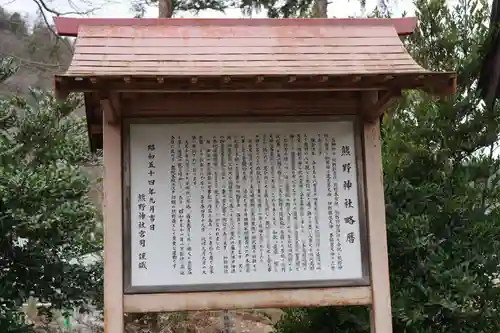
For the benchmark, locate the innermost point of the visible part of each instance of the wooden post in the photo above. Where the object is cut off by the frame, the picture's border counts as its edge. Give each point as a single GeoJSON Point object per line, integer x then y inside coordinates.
{"type": "Point", "coordinates": [112, 211]}
{"type": "Point", "coordinates": [381, 314]}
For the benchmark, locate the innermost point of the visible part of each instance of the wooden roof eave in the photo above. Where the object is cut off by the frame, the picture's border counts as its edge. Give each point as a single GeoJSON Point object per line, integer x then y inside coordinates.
{"type": "Point", "coordinates": [100, 70]}
{"type": "Point", "coordinates": [432, 82]}
{"type": "Point", "coordinates": [387, 91]}
{"type": "Point", "coordinates": [370, 109]}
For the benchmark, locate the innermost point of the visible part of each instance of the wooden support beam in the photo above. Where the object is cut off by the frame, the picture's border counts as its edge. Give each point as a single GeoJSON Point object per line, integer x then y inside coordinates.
{"type": "Point", "coordinates": [95, 129]}
{"type": "Point", "coordinates": [112, 211]}
{"type": "Point", "coordinates": [247, 299]}
{"type": "Point", "coordinates": [60, 93]}
{"type": "Point", "coordinates": [385, 100]}
{"type": "Point", "coordinates": [111, 107]}
{"type": "Point", "coordinates": [271, 83]}
{"type": "Point", "coordinates": [375, 103]}
{"type": "Point", "coordinates": [368, 101]}
{"type": "Point", "coordinates": [381, 314]}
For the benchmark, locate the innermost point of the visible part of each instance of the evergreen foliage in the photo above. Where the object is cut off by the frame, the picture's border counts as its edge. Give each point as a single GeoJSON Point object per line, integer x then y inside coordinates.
{"type": "Point", "coordinates": [47, 220]}
{"type": "Point", "coordinates": [441, 175]}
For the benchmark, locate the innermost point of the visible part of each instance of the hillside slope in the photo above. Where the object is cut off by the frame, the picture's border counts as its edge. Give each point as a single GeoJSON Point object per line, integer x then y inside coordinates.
{"type": "Point", "coordinates": [38, 53]}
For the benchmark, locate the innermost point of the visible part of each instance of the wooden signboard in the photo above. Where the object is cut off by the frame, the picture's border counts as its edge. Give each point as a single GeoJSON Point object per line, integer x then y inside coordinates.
{"type": "Point", "coordinates": [242, 158]}
{"type": "Point", "coordinates": [244, 205]}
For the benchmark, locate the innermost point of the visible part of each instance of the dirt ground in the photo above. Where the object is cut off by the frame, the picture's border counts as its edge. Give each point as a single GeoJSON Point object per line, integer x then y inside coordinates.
{"type": "Point", "coordinates": [242, 321]}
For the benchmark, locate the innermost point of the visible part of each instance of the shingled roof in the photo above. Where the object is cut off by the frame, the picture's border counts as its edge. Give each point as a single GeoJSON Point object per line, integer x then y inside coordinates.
{"type": "Point", "coordinates": [334, 58]}
{"type": "Point", "coordinates": [161, 54]}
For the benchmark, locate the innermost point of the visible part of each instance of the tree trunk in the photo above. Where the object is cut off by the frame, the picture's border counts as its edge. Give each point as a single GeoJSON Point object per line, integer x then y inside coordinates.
{"type": "Point", "coordinates": [320, 9]}
{"type": "Point", "coordinates": [165, 8]}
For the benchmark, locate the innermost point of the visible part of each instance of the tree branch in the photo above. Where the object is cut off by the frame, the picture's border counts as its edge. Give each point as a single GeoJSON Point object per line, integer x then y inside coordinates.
{"type": "Point", "coordinates": [43, 6]}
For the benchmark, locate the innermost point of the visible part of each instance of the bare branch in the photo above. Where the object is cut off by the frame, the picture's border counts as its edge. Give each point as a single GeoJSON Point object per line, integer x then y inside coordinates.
{"type": "Point", "coordinates": [8, 2]}
{"type": "Point", "coordinates": [44, 7]}
{"type": "Point", "coordinates": [41, 6]}
{"type": "Point", "coordinates": [31, 62]}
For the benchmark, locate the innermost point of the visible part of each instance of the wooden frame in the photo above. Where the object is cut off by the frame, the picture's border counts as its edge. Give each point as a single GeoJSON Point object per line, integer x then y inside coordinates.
{"type": "Point", "coordinates": [115, 95]}
{"type": "Point", "coordinates": [439, 83]}
{"type": "Point", "coordinates": [376, 293]}
{"type": "Point", "coordinates": [364, 281]}
{"type": "Point", "coordinates": [381, 313]}
{"type": "Point", "coordinates": [112, 211]}
{"type": "Point", "coordinates": [255, 299]}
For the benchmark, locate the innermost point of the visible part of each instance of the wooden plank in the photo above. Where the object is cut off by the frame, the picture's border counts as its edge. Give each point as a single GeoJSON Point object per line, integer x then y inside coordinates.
{"type": "Point", "coordinates": [103, 56]}
{"type": "Point", "coordinates": [247, 299]}
{"type": "Point", "coordinates": [226, 112]}
{"type": "Point", "coordinates": [245, 63]}
{"type": "Point", "coordinates": [213, 83]}
{"type": "Point", "coordinates": [238, 104]}
{"type": "Point", "coordinates": [70, 26]}
{"type": "Point", "coordinates": [233, 32]}
{"type": "Point", "coordinates": [197, 102]}
{"type": "Point", "coordinates": [183, 111]}
{"type": "Point", "coordinates": [187, 67]}
{"type": "Point", "coordinates": [132, 51]}
{"type": "Point", "coordinates": [212, 42]}
{"type": "Point", "coordinates": [112, 211]}
{"type": "Point", "coordinates": [248, 82]}
{"type": "Point", "coordinates": [281, 70]}
{"type": "Point", "coordinates": [380, 315]}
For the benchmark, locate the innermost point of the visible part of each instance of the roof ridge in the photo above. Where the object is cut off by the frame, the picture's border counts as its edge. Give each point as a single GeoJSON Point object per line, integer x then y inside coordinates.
{"type": "Point", "coordinates": [68, 26]}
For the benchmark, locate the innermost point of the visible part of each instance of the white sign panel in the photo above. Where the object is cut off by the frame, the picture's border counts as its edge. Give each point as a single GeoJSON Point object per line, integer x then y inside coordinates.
{"type": "Point", "coordinates": [225, 203]}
